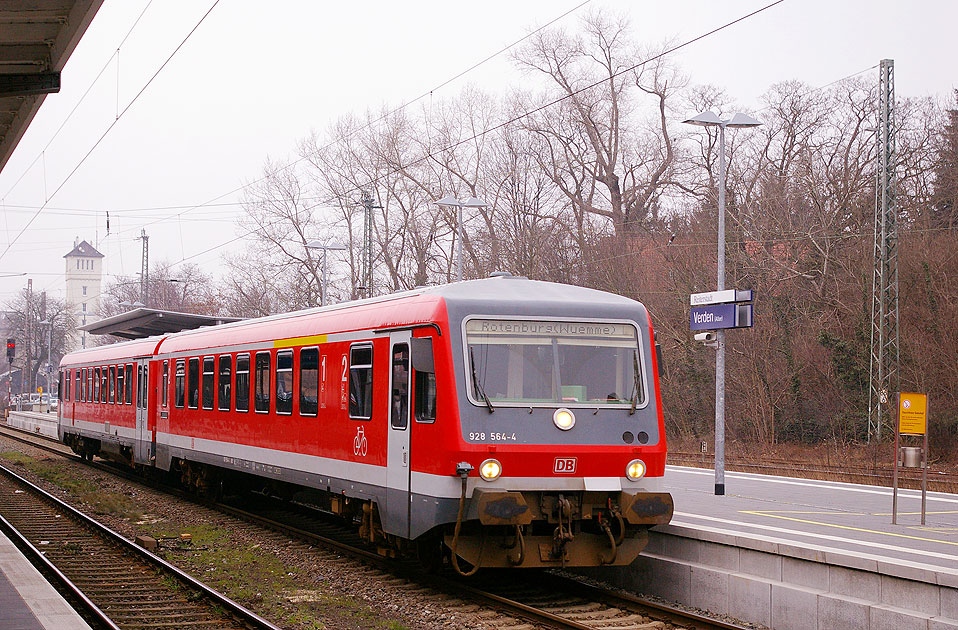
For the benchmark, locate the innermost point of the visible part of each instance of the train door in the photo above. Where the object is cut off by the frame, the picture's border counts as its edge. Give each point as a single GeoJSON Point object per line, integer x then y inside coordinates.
{"type": "Point", "coordinates": [397, 468]}
{"type": "Point", "coordinates": [143, 442]}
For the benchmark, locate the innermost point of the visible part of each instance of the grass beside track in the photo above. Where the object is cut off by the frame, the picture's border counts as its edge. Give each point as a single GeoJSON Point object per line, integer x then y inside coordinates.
{"type": "Point", "coordinates": [247, 572]}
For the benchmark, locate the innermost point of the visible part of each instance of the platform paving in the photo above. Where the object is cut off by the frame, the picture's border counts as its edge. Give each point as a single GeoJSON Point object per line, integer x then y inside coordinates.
{"type": "Point", "coordinates": [27, 600]}
{"type": "Point", "coordinates": [797, 554]}
{"type": "Point", "coordinates": [849, 517]}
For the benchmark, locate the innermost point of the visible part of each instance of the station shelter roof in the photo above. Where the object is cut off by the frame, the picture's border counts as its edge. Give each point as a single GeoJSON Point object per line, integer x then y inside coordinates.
{"type": "Point", "coordinates": [146, 322]}
{"type": "Point", "coordinates": [37, 38]}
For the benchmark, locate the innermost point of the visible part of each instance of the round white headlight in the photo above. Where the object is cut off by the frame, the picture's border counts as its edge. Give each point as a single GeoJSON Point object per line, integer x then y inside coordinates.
{"type": "Point", "coordinates": [564, 419]}
{"type": "Point", "coordinates": [635, 470]}
{"type": "Point", "coordinates": [490, 469]}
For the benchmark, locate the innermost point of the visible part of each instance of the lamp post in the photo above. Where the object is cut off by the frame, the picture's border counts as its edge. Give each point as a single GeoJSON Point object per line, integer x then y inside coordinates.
{"type": "Point", "coordinates": [737, 121]}
{"type": "Point", "coordinates": [450, 201]}
{"type": "Point", "coordinates": [49, 368]}
{"type": "Point", "coordinates": [326, 247]}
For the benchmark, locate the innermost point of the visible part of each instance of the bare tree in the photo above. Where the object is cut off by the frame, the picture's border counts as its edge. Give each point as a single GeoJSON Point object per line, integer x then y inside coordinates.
{"type": "Point", "coordinates": [594, 145]}
{"type": "Point", "coordinates": [24, 314]}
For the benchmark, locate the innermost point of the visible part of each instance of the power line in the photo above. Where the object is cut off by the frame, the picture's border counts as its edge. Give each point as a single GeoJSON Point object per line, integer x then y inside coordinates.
{"type": "Point", "coordinates": [384, 116]}
{"type": "Point", "coordinates": [510, 121]}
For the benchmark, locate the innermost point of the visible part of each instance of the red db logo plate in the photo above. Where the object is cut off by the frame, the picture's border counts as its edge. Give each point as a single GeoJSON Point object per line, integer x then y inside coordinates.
{"type": "Point", "coordinates": [564, 465]}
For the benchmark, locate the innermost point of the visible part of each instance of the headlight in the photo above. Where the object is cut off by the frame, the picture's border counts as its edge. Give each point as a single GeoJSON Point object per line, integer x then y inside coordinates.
{"type": "Point", "coordinates": [635, 470]}
{"type": "Point", "coordinates": [490, 469]}
{"type": "Point", "coordinates": [564, 419]}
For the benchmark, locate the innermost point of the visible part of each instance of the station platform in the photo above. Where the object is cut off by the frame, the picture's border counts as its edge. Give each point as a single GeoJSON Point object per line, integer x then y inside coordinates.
{"type": "Point", "coordinates": [27, 600]}
{"type": "Point", "coordinates": [800, 554]}
{"type": "Point", "coordinates": [42, 423]}
{"type": "Point", "coordinates": [851, 517]}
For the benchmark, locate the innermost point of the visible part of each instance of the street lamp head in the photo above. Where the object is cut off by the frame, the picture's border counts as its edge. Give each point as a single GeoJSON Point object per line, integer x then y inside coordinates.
{"type": "Point", "coordinates": [474, 202]}
{"type": "Point", "coordinates": [705, 119]}
{"type": "Point", "coordinates": [333, 247]}
{"type": "Point", "coordinates": [448, 200]}
{"type": "Point", "coordinates": [710, 119]}
{"type": "Point", "coordinates": [739, 120]}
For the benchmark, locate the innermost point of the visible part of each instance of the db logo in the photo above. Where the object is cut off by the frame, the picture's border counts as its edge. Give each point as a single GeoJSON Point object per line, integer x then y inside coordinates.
{"type": "Point", "coordinates": [564, 465]}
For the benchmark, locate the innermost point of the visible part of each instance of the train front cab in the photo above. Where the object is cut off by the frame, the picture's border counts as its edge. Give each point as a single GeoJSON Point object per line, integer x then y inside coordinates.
{"type": "Point", "coordinates": [560, 447]}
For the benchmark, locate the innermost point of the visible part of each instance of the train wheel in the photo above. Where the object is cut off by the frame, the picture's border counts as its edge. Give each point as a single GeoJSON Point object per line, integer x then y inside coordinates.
{"type": "Point", "coordinates": [430, 552]}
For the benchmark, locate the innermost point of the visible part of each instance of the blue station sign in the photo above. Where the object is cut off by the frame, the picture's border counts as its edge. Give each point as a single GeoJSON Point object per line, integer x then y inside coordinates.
{"type": "Point", "coordinates": [717, 316]}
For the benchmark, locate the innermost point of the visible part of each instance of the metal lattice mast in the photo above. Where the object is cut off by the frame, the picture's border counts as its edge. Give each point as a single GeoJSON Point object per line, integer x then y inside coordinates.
{"type": "Point", "coordinates": [884, 362]}
{"type": "Point", "coordinates": [368, 205]}
{"type": "Point", "coordinates": [145, 269]}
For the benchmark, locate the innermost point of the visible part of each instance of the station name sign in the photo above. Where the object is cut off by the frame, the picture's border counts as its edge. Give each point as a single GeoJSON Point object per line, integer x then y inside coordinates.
{"type": "Point", "coordinates": [716, 316]}
{"type": "Point", "coordinates": [715, 310]}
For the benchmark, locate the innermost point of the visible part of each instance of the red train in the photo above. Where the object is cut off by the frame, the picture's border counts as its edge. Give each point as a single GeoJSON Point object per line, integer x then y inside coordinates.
{"type": "Point", "coordinates": [509, 421]}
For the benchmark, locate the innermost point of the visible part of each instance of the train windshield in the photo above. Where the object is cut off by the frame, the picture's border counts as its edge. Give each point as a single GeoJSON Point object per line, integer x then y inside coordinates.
{"type": "Point", "coordinates": [549, 363]}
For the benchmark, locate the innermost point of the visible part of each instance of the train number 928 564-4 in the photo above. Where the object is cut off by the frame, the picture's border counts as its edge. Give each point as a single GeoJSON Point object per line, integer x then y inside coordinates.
{"type": "Point", "coordinates": [482, 436]}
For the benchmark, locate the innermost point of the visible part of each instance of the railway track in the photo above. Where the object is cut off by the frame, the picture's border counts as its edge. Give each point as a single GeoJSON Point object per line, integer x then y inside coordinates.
{"type": "Point", "coordinates": [513, 600]}
{"type": "Point", "coordinates": [119, 584]}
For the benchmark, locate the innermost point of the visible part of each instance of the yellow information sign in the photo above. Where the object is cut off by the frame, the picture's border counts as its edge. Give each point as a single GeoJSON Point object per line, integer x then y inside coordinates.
{"type": "Point", "coordinates": [912, 413]}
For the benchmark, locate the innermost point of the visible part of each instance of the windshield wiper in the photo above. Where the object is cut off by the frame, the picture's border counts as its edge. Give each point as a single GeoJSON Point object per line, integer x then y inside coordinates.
{"type": "Point", "coordinates": [475, 381]}
{"type": "Point", "coordinates": [635, 381]}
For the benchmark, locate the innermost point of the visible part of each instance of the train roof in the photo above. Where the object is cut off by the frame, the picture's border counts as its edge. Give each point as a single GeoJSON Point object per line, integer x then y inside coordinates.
{"type": "Point", "coordinates": [421, 305]}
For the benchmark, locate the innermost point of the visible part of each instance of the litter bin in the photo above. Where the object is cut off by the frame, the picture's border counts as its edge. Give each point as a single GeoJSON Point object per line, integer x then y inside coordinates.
{"type": "Point", "coordinates": [911, 456]}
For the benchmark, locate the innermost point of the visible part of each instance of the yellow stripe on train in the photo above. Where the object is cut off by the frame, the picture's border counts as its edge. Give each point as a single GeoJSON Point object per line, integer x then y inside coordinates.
{"type": "Point", "coordinates": [312, 340]}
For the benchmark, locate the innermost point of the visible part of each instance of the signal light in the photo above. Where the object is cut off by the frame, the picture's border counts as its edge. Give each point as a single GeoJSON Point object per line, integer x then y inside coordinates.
{"type": "Point", "coordinates": [11, 348]}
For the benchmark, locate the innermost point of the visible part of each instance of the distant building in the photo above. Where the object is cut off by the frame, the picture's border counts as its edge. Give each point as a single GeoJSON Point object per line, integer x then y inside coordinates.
{"type": "Point", "coordinates": [84, 275]}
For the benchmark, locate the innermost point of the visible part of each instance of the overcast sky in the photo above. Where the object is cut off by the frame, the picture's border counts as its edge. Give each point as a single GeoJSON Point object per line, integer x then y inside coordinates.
{"type": "Point", "coordinates": [257, 77]}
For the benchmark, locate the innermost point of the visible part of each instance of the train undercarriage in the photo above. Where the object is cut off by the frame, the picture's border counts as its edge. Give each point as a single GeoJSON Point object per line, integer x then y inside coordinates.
{"type": "Point", "coordinates": [493, 529]}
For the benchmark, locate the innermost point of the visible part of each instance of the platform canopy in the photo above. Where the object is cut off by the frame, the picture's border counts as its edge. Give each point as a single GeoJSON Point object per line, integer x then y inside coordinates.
{"type": "Point", "coordinates": [147, 322]}
{"type": "Point", "coordinates": [36, 39]}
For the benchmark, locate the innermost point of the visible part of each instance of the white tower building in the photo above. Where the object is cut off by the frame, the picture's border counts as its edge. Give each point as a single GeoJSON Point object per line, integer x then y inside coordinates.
{"type": "Point", "coordinates": [84, 273]}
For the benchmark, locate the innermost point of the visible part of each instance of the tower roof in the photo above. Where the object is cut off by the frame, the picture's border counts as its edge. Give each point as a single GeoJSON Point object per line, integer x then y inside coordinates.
{"type": "Point", "coordinates": [84, 249]}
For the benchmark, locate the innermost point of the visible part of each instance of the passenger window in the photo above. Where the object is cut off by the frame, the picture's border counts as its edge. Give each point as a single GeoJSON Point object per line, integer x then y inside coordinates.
{"type": "Point", "coordinates": [308, 381]}
{"type": "Point", "coordinates": [284, 381]}
{"type": "Point", "coordinates": [166, 383]}
{"type": "Point", "coordinates": [129, 383]}
{"type": "Point", "coordinates": [399, 408]}
{"type": "Point", "coordinates": [425, 396]}
{"type": "Point", "coordinates": [144, 389]}
{"type": "Point", "coordinates": [96, 385]}
{"type": "Point", "coordinates": [193, 384]}
{"type": "Point", "coordinates": [76, 387]}
{"type": "Point", "coordinates": [361, 382]}
{"type": "Point", "coordinates": [226, 372]}
{"type": "Point", "coordinates": [112, 383]}
{"type": "Point", "coordinates": [242, 382]}
{"type": "Point", "coordinates": [85, 384]}
{"type": "Point", "coordinates": [90, 380]}
{"type": "Point", "coordinates": [262, 382]}
{"type": "Point", "coordinates": [104, 384]}
{"type": "Point", "coordinates": [179, 389]}
{"type": "Point", "coordinates": [119, 385]}
{"type": "Point", "coordinates": [208, 376]}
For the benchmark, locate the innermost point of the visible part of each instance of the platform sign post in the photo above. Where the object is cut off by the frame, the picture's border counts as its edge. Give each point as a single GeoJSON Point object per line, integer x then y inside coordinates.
{"type": "Point", "coordinates": [717, 311]}
{"type": "Point", "coordinates": [912, 420]}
